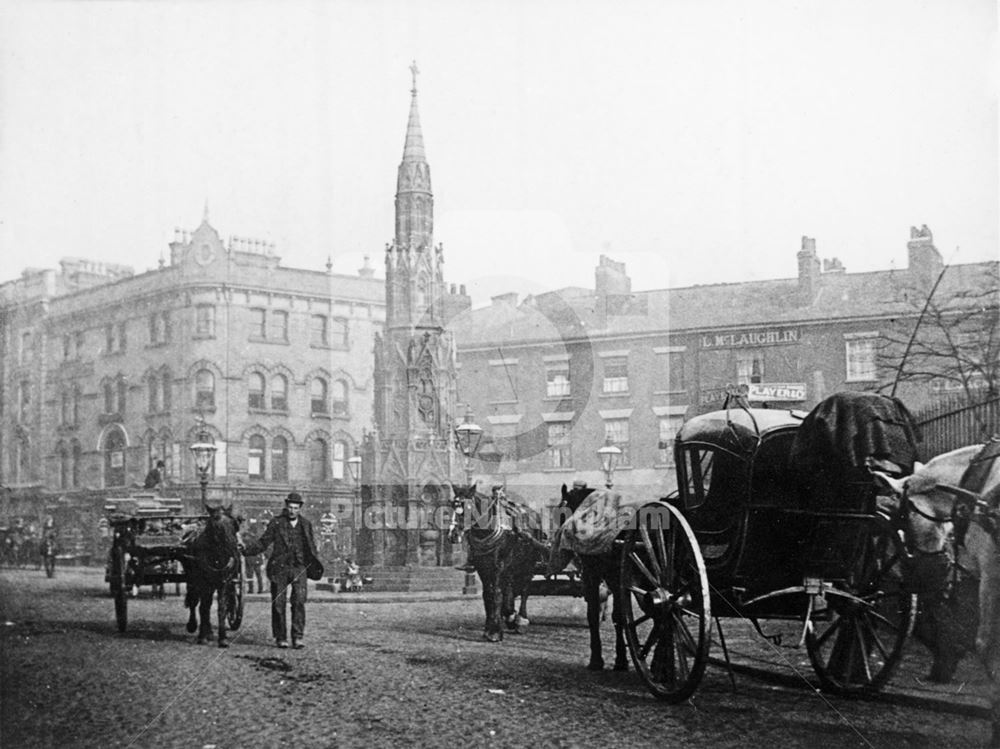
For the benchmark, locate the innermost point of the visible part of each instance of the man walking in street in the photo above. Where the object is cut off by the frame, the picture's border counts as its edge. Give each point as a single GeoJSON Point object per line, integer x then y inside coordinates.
{"type": "Point", "coordinates": [292, 562]}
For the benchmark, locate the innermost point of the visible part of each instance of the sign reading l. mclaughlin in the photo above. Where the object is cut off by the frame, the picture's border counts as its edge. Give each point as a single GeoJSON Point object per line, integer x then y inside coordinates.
{"type": "Point", "coordinates": [763, 337]}
{"type": "Point", "coordinates": [777, 391]}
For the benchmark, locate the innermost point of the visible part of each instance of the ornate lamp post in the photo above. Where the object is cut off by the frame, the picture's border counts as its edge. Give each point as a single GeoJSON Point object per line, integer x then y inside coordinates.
{"type": "Point", "coordinates": [204, 453]}
{"type": "Point", "coordinates": [609, 453]}
{"type": "Point", "coordinates": [468, 435]}
{"type": "Point", "coordinates": [354, 468]}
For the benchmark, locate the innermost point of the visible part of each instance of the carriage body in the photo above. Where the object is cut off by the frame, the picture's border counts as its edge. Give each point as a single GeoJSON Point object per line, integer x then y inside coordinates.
{"type": "Point", "coordinates": [151, 547]}
{"type": "Point", "coordinates": [775, 517]}
{"type": "Point", "coordinates": [761, 525]}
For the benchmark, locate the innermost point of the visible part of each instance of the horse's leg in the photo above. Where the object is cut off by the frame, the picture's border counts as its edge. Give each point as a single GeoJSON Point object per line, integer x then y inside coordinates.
{"type": "Point", "coordinates": [621, 654]}
{"type": "Point", "coordinates": [223, 608]}
{"type": "Point", "coordinates": [205, 613]}
{"type": "Point", "coordinates": [191, 598]}
{"type": "Point", "coordinates": [591, 580]}
{"type": "Point", "coordinates": [489, 576]}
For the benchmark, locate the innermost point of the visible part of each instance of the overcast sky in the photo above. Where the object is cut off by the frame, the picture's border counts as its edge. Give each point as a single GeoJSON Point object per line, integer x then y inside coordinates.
{"type": "Point", "coordinates": [696, 141]}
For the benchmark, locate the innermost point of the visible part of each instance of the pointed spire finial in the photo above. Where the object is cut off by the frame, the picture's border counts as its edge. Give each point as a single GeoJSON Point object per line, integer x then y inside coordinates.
{"type": "Point", "coordinates": [204, 217]}
{"type": "Point", "coordinates": [414, 71]}
{"type": "Point", "coordinates": [329, 264]}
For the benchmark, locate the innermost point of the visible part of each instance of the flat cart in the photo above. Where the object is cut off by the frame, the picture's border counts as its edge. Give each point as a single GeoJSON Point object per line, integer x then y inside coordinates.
{"type": "Point", "coordinates": [150, 546]}
{"type": "Point", "coordinates": [750, 534]}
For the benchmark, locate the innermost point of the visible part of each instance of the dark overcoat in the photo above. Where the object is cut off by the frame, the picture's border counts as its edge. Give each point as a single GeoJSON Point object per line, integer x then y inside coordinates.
{"type": "Point", "coordinates": [279, 535]}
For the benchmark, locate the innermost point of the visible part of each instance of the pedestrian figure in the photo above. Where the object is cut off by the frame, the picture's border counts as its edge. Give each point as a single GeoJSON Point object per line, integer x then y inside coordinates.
{"type": "Point", "coordinates": [292, 562]}
{"type": "Point", "coordinates": [154, 479]}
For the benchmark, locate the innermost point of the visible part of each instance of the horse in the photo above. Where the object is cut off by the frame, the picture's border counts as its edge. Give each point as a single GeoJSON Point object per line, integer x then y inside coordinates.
{"type": "Point", "coordinates": [599, 578]}
{"type": "Point", "coordinates": [950, 508]}
{"type": "Point", "coordinates": [505, 546]}
{"type": "Point", "coordinates": [211, 564]}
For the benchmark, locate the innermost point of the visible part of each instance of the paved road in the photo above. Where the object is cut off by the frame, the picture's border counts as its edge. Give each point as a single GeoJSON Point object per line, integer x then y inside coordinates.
{"type": "Point", "coordinates": [411, 673]}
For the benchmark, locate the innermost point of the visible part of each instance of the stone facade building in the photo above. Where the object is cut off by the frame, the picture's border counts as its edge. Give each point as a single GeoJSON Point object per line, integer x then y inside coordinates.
{"type": "Point", "coordinates": [105, 372]}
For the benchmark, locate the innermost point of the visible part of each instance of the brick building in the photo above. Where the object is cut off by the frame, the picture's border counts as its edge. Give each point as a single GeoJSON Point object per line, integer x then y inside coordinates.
{"type": "Point", "coordinates": [554, 376]}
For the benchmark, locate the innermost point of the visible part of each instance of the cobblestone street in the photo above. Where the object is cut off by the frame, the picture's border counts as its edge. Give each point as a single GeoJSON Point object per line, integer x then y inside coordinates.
{"type": "Point", "coordinates": [411, 673]}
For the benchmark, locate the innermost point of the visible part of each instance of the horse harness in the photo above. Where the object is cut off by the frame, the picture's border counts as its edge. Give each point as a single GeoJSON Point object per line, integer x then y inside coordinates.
{"type": "Point", "coordinates": [970, 506]}
{"type": "Point", "coordinates": [504, 525]}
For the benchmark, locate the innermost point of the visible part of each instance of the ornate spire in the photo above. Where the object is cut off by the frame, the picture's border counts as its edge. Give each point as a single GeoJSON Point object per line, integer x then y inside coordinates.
{"type": "Point", "coordinates": [204, 216]}
{"type": "Point", "coordinates": [413, 148]}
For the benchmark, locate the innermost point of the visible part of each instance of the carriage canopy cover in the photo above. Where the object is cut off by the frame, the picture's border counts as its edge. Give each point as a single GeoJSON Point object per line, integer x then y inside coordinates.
{"type": "Point", "coordinates": [842, 431]}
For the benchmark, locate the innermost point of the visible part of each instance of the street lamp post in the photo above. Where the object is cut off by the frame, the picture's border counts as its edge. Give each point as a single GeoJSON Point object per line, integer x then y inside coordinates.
{"type": "Point", "coordinates": [609, 453]}
{"type": "Point", "coordinates": [468, 435]}
{"type": "Point", "coordinates": [204, 452]}
{"type": "Point", "coordinates": [354, 468]}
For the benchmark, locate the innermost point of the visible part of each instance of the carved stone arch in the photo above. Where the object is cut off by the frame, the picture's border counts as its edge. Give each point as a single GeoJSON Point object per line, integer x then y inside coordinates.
{"type": "Point", "coordinates": [343, 374]}
{"type": "Point", "coordinates": [315, 434]}
{"type": "Point", "coordinates": [211, 366]}
{"type": "Point", "coordinates": [286, 433]}
{"type": "Point", "coordinates": [149, 435]}
{"type": "Point", "coordinates": [196, 430]}
{"type": "Point", "coordinates": [256, 366]}
{"type": "Point", "coordinates": [317, 372]}
{"type": "Point", "coordinates": [151, 373]}
{"type": "Point", "coordinates": [108, 428]}
{"type": "Point", "coordinates": [255, 429]}
{"type": "Point", "coordinates": [278, 368]}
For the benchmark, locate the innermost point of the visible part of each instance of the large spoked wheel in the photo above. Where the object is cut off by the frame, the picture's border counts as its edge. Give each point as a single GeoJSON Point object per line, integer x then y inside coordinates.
{"type": "Point", "coordinates": [856, 643]}
{"type": "Point", "coordinates": [234, 591]}
{"type": "Point", "coordinates": [665, 602]}
{"type": "Point", "coordinates": [120, 585]}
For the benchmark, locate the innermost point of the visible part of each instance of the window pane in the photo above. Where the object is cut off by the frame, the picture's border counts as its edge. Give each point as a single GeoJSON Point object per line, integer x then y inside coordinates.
{"type": "Point", "coordinates": [615, 376]}
{"type": "Point", "coordinates": [279, 325]}
{"type": "Point", "coordinates": [338, 332]}
{"type": "Point", "coordinates": [255, 457]}
{"type": "Point", "coordinates": [618, 431]}
{"type": "Point", "coordinates": [339, 451]}
{"type": "Point", "coordinates": [279, 393]}
{"type": "Point", "coordinates": [318, 395]}
{"type": "Point", "coordinates": [556, 383]}
{"type": "Point", "coordinates": [258, 318]}
{"type": "Point", "coordinates": [317, 331]}
{"type": "Point", "coordinates": [256, 390]}
{"type": "Point", "coordinates": [339, 397]}
{"type": "Point", "coordinates": [318, 461]}
{"type": "Point", "coordinates": [279, 459]}
{"type": "Point", "coordinates": [861, 359]}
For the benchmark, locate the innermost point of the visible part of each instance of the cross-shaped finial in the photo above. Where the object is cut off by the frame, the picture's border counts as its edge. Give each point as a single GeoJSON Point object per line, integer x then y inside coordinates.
{"type": "Point", "coordinates": [414, 71]}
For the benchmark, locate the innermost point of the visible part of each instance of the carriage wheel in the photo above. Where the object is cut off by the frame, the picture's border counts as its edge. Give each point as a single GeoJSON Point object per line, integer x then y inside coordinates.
{"type": "Point", "coordinates": [120, 585]}
{"type": "Point", "coordinates": [857, 642]}
{"type": "Point", "coordinates": [234, 592]}
{"type": "Point", "coordinates": [663, 591]}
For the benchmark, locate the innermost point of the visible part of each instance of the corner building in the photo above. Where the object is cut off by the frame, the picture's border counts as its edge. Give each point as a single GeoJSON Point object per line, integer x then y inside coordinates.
{"type": "Point", "coordinates": [105, 372]}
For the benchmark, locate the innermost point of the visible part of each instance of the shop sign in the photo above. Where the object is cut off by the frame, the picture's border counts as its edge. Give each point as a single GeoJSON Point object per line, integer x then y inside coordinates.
{"type": "Point", "coordinates": [777, 391]}
{"type": "Point", "coordinates": [762, 337]}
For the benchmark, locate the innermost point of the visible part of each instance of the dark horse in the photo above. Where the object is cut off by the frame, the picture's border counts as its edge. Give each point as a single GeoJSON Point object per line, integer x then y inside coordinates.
{"type": "Point", "coordinates": [594, 569]}
{"type": "Point", "coordinates": [505, 547]}
{"type": "Point", "coordinates": [212, 563]}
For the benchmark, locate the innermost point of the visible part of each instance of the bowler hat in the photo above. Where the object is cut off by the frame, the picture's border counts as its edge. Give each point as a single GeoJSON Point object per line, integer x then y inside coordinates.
{"type": "Point", "coordinates": [578, 484]}
{"type": "Point", "coordinates": [213, 503]}
{"type": "Point", "coordinates": [293, 498]}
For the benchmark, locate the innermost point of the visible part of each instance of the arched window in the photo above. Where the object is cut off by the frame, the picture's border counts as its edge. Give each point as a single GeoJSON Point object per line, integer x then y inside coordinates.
{"type": "Point", "coordinates": [109, 398]}
{"type": "Point", "coordinates": [64, 465]}
{"type": "Point", "coordinates": [204, 389]}
{"type": "Point", "coordinates": [122, 394]}
{"type": "Point", "coordinates": [114, 457]}
{"type": "Point", "coordinates": [255, 457]}
{"type": "Point", "coordinates": [338, 396]}
{"type": "Point", "coordinates": [75, 470]}
{"type": "Point", "coordinates": [279, 459]}
{"type": "Point", "coordinates": [166, 391]}
{"type": "Point", "coordinates": [255, 387]}
{"type": "Point", "coordinates": [317, 394]}
{"type": "Point", "coordinates": [339, 458]}
{"type": "Point", "coordinates": [76, 407]}
{"type": "Point", "coordinates": [318, 461]}
{"type": "Point", "coordinates": [279, 393]}
{"type": "Point", "coordinates": [65, 408]}
{"type": "Point", "coordinates": [154, 394]}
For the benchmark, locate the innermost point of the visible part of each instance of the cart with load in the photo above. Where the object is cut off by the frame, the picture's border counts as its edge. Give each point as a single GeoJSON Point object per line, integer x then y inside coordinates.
{"type": "Point", "coordinates": [151, 545]}
{"type": "Point", "coordinates": [775, 517]}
